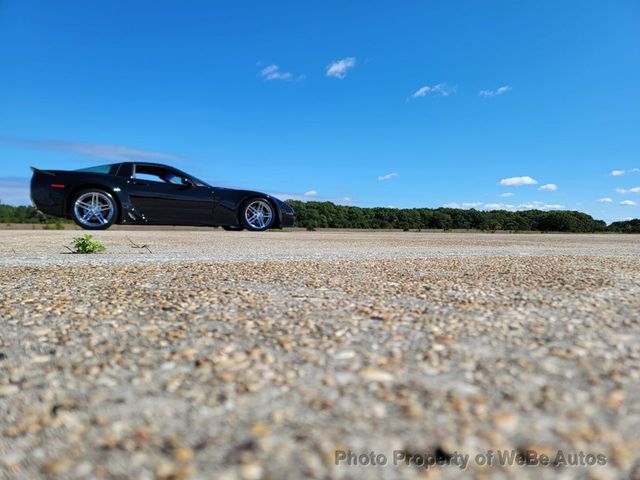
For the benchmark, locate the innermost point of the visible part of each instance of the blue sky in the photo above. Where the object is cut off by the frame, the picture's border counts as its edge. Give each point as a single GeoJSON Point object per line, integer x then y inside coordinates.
{"type": "Point", "coordinates": [371, 103]}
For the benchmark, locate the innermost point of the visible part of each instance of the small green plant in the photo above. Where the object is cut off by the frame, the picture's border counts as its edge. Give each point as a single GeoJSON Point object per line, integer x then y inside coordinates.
{"type": "Point", "coordinates": [86, 244]}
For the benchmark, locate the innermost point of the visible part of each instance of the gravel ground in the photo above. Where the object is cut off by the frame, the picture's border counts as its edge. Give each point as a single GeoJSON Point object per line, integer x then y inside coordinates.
{"type": "Point", "coordinates": [26, 247]}
{"type": "Point", "coordinates": [225, 355]}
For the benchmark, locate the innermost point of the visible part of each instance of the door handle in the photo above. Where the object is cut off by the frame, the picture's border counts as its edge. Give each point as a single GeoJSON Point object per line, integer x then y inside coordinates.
{"type": "Point", "coordinates": [142, 184]}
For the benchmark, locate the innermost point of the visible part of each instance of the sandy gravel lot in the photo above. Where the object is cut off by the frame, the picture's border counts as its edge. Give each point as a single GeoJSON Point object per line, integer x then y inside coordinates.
{"type": "Point", "coordinates": [235, 355]}
{"type": "Point", "coordinates": [28, 247]}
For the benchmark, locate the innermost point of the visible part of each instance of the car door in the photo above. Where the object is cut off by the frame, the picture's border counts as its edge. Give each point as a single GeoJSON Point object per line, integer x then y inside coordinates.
{"type": "Point", "coordinates": [165, 196]}
{"type": "Point", "coordinates": [193, 205]}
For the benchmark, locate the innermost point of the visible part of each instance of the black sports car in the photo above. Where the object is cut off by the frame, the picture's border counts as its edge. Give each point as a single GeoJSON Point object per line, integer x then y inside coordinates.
{"type": "Point", "coordinates": [150, 193]}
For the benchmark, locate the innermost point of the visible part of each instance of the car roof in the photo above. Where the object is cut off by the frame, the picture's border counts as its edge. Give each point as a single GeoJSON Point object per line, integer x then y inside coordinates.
{"type": "Point", "coordinates": [152, 164]}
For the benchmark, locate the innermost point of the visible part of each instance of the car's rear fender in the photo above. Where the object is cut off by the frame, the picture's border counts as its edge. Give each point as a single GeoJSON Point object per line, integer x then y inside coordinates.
{"type": "Point", "coordinates": [47, 192]}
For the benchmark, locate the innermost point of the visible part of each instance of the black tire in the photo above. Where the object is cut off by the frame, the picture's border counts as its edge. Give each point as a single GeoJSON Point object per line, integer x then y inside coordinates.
{"type": "Point", "coordinates": [260, 223]}
{"type": "Point", "coordinates": [94, 209]}
{"type": "Point", "coordinates": [232, 228]}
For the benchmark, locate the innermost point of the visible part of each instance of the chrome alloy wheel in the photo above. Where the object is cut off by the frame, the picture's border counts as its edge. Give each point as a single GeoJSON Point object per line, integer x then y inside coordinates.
{"type": "Point", "coordinates": [94, 209]}
{"type": "Point", "coordinates": [259, 214]}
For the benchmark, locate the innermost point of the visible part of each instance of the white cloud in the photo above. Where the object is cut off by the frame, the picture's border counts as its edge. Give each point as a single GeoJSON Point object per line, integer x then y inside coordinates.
{"type": "Point", "coordinates": [498, 206]}
{"type": "Point", "coordinates": [628, 202]}
{"type": "Point", "coordinates": [550, 187]}
{"type": "Point", "coordinates": [441, 89]}
{"type": "Point", "coordinates": [463, 205]}
{"type": "Point", "coordinates": [493, 93]}
{"type": "Point", "coordinates": [310, 196]}
{"type": "Point", "coordinates": [507, 194]}
{"type": "Point", "coordinates": [14, 191]}
{"type": "Point", "coordinates": [518, 181]}
{"type": "Point", "coordinates": [621, 190]}
{"type": "Point", "coordinates": [536, 205]}
{"type": "Point", "coordinates": [288, 196]}
{"type": "Point", "coordinates": [605, 200]}
{"type": "Point", "coordinates": [272, 72]}
{"type": "Point", "coordinates": [619, 173]}
{"type": "Point", "coordinates": [339, 69]}
{"type": "Point", "coordinates": [634, 190]}
{"type": "Point", "coordinates": [118, 153]}
{"type": "Point", "coordinates": [388, 176]}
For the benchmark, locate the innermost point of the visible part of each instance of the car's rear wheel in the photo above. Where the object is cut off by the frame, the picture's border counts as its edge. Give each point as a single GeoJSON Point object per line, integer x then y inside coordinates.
{"type": "Point", "coordinates": [94, 209]}
{"type": "Point", "coordinates": [257, 214]}
{"type": "Point", "coordinates": [232, 228]}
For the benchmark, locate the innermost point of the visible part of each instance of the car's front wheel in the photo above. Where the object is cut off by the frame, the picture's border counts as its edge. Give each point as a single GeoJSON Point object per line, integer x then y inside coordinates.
{"type": "Point", "coordinates": [257, 214]}
{"type": "Point", "coordinates": [94, 209]}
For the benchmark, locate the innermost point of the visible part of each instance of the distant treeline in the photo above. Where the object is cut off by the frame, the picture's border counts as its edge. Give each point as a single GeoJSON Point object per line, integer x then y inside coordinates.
{"type": "Point", "coordinates": [312, 215]}
{"type": "Point", "coordinates": [23, 214]}
{"type": "Point", "coordinates": [628, 226]}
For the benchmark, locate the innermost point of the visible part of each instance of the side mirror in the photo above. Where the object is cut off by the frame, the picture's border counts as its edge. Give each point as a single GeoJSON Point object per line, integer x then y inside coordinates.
{"type": "Point", "coordinates": [187, 182]}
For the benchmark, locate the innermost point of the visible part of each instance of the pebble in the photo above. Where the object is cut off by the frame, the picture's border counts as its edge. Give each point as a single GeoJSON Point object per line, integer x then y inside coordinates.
{"type": "Point", "coordinates": [251, 471]}
{"type": "Point", "coordinates": [375, 375]}
{"type": "Point", "coordinates": [6, 390]}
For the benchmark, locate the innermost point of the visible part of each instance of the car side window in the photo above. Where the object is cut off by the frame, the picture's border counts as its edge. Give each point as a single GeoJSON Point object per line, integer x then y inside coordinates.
{"type": "Point", "coordinates": [157, 174]}
{"type": "Point", "coordinates": [171, 177]}
{"type": "Point", "coordinates": [148, 177]}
